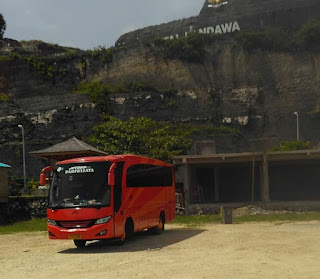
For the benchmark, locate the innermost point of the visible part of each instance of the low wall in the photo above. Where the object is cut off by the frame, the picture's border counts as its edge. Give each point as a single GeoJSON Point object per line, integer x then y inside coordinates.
{"type": "Point", "coordinates": [200, 209]}
{"type": "Point", "coordinates": [23, 208]}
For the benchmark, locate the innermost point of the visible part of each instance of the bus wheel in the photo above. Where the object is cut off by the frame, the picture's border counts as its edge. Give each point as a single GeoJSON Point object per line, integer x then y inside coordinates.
{"type": "Point", "coordinates": [80, 243]}
{"type": "Point", "coordinates": [128, 232]}
{"type": "Point", "coordinates": [129, 229]}
{"type": "Point", "coordinates": [160, 227]}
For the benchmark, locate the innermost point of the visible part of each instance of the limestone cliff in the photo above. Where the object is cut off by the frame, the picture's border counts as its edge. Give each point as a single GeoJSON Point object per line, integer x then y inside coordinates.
{"type": "Point", "coordinates": [256, 91]}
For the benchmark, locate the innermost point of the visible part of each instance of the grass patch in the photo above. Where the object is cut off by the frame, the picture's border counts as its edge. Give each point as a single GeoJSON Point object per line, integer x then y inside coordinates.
{"type": "Point", "coordinates": [287, 217]}
{"type": "Point", "coordinates": [199, 220]}
{"type": "Point", "coordinates": [34, 225]}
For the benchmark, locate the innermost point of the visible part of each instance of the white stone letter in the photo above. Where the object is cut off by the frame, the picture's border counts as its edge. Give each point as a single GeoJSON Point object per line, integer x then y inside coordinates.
{"type": "Point", "coordinates": [227, 27]}
{"type": "Point", "coordinates": [218, 29]}
{"type": "Point", "coordinates": [210, 30]}
{"type": "Point", "coordinates": [235, 27]}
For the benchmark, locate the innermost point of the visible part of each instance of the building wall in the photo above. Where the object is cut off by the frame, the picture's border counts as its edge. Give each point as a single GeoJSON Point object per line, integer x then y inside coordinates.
{"type": "Point", "coordinates": [4, 185]}
{"type": "Point", "coordinates": [286, 182]}
{"type": "Point", "coordinates": [294, 181]}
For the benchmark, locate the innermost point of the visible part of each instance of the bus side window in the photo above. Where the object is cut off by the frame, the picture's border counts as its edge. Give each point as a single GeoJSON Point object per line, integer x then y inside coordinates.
{"type": "Point", "coordinates": [118, 186]}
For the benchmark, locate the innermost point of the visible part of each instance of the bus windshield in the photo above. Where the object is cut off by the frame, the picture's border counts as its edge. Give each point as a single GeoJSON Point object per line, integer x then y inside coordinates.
{"type": "Point", "coordinates": [80, 185]}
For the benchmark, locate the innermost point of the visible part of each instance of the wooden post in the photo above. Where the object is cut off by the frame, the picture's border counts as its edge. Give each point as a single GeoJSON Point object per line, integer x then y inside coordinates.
{"type": "Point", "coordinates": [226, 213]}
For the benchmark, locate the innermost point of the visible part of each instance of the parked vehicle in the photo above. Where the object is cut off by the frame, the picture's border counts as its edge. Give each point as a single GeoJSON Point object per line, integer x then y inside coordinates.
{"type": "Point", "coordinates": [95, 198]}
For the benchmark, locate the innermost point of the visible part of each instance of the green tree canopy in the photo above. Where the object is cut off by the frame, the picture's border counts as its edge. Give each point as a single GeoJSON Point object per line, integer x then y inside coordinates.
{"type": "Point", "coordinates": [142, 136]}
{"type": "Point", "coordinates": [2, 26]}
{"type": "Point", "coordinates": [146, 137]}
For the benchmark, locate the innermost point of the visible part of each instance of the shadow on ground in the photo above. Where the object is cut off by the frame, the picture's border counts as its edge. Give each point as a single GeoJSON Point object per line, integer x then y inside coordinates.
{"type": "Point", "coordinates": [142, 241]}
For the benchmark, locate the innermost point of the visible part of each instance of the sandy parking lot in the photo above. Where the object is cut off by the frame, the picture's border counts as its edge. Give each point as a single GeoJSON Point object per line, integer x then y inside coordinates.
{"type": "Point", "coordinates": [267, 250]}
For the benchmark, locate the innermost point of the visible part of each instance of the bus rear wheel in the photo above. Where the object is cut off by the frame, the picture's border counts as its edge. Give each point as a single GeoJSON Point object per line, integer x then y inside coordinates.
{"type": "Point", "coordinates": [160, 227]}
{"type": "Point", "coordinates": [80, 243]}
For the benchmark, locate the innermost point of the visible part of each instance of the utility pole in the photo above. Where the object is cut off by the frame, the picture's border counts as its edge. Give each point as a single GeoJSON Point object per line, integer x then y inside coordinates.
{"type": "Point", "coordinates": [297, 114]}
{"type": "Point", "coordinates": [24, 159]}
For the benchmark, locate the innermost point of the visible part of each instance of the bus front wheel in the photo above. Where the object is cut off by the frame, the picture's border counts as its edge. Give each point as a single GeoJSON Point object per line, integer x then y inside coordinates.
{"type": "Point", "coordinates": [128, 232]}
{"type": "Point", "coordinates": [80, 243]}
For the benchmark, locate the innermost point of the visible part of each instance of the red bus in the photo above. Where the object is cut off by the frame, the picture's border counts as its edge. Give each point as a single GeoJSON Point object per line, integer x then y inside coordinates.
{"type": "Point", "coordinates": [94, 198]}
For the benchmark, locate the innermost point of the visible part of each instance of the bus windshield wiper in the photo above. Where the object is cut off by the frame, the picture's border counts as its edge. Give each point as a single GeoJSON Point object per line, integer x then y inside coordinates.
{"type": "Point", "coordinates": [58, 205]}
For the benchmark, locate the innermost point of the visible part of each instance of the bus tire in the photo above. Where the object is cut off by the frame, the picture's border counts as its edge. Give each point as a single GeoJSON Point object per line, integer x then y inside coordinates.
{"type": "Point", "coordinates": [129, 229]}
{"type": "Point", "coordinates": [128, 232]}
{"type": "Point", "coordinates": [160, 227]}
{"type": "Point", "coordinates": [80, 243]}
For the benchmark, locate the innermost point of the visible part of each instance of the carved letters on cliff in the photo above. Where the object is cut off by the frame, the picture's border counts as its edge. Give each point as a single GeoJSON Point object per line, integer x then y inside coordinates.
{"type": "Point", "coordinates": [218, 29]}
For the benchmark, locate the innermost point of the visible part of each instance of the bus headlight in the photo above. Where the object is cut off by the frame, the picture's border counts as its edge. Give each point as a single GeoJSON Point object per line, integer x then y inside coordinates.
{"type": "Point", "coordinates": [102, 220]}
{"type": "Point", "coordinates": [52, 222]}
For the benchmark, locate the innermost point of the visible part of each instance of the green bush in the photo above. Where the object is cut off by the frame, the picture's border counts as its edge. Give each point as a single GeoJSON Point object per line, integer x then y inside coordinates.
{"type": "Point", "coordinates": [291, 146]}
{"type": "Point", "coordinates": [4, 97]}
{"type": "Point", "coordinates": [308, 37]}
{"type": "Point", "coordinates": [99, 92]}
{"type": "Point", "coordinates": [189, 49]}
{"type": "Point", "coordinates": [104, 54]}
{"type": "Point", "coordinates": [5, 58]}
{"type": "Point", "coordinates": [270, 40]}
{"type": "Point", "coordinates": [41, 67]}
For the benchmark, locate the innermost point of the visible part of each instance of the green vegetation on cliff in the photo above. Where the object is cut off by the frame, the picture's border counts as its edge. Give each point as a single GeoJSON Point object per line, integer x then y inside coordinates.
{"type": "Point", "coordinates": [291, 146]}
{"type": "Point", "coordinates": [105, 55]}
{"type": "Point", "coordinates": [188, 49]}
{"type": "Point", "coordinates": [306, 38]}
{"type": "Point", "coordinates": [100, 92]}
{"type": "Point", "coordinates": [193, 47]}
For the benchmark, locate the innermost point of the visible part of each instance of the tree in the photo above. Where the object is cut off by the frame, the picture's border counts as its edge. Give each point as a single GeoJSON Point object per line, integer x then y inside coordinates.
{"type": "Point", "coordinates": [2, 26]}
{"type": "Point", "coordinates": [142, 136]}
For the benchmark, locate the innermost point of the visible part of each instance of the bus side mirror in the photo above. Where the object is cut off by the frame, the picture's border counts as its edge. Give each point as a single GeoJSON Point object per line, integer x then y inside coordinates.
{"type": "Point", "coordinates": [45, 173]}
{"type": "Point", "coordinates": [42, 179]}
{"type": "Point", "coordinates": [111, 176]}
{"type": "Point", "coordinates": [111, 179]}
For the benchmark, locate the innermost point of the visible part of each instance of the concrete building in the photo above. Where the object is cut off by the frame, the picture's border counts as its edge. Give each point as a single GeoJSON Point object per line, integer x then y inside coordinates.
{"type": "Point", "coordinates": [4, 193]}
{"type": "Point", "coordinates": [270, 180]}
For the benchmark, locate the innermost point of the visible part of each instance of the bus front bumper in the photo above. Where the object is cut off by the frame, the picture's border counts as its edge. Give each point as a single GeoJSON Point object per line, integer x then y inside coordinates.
{"type": "Point", "coordinates": [95, 232]}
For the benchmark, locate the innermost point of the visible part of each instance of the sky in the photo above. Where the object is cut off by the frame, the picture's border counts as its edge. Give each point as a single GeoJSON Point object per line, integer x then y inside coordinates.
{"type": "Point", "coordinates": [87, 24]}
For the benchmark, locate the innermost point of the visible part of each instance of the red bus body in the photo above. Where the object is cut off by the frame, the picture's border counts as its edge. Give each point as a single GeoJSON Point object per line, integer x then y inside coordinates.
{"type": "Point", "coordinates": [140, 206]}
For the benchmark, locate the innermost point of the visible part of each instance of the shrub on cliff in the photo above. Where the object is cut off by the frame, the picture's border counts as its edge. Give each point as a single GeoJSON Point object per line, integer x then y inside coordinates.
{"type": "Point", "coordinates": [291, 146]}
{"type": "Point", "coordinates": [270, 40]}
{"type": "Point", "coordinates": [308, 37]}
{"type": "Point", "coordinates": [105, 55]}
{"type": "Point", "coordinates": [188, 49]}
{"type": "Point", "coordinates": [2, 26]}
{"type": "Point", "coordinates": [98, 92]}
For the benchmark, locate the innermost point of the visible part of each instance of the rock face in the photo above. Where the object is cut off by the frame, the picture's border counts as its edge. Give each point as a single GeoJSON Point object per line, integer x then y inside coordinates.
{"type": "Point", "coordinates": [257, 92]}
{"type": "Point", "coordinates": [227, 16]}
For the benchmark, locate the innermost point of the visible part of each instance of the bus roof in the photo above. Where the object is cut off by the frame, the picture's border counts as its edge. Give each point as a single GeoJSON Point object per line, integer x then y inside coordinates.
{"type": "Point", "coordinates": [116, 158]}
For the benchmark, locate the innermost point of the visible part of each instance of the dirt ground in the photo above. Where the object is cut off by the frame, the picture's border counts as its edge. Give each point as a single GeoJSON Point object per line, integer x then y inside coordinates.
{"type": "Point", "coordinates": [264, 250]}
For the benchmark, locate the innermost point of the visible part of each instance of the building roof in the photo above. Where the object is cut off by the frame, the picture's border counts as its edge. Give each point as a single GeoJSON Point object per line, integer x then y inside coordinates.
{"type": "Point", "coordinates": [4, 166]}
{"type": "Point", "coordinates": [71, 148]}
{"type": "Point", "coordinates": [247, 157]}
